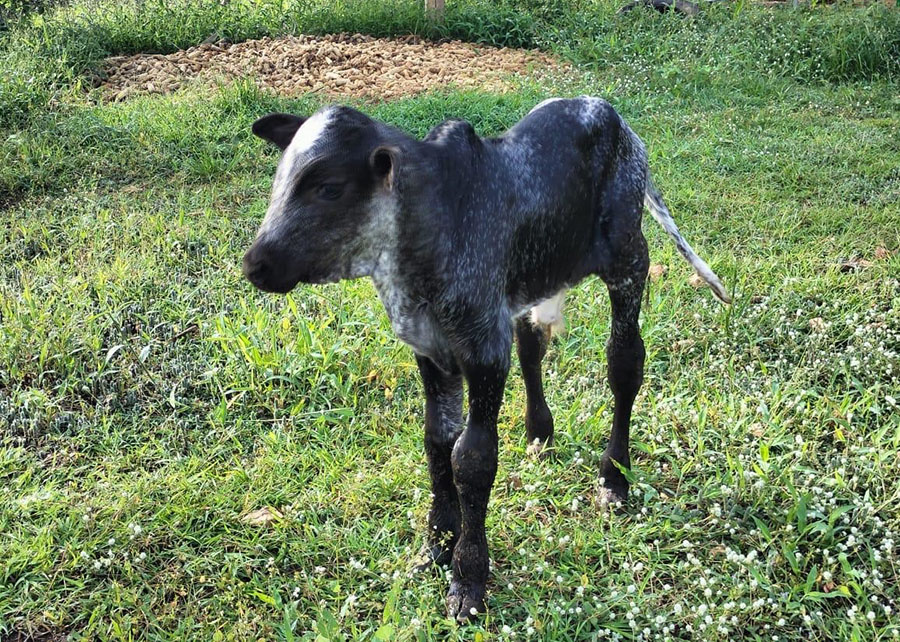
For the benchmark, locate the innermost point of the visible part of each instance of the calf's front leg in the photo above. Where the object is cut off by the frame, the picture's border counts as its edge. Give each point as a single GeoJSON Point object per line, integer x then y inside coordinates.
{"type": "Point", "coordinates": [474, 461]}
{"type": "Point", "coordinates": [443, 423]}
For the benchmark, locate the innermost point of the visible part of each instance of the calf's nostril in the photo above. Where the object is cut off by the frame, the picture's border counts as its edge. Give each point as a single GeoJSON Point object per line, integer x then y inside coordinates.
{"type": "Point", "coordinates": [254, 266]}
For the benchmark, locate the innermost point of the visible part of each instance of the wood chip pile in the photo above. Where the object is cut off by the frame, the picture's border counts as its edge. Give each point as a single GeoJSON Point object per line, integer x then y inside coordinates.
{"type": "Point", "coordinates": [341, 65]}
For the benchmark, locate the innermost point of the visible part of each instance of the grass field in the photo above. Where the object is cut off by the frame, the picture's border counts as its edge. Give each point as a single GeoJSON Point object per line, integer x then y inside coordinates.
{"type": "Point", "coordinates": [150, 398]}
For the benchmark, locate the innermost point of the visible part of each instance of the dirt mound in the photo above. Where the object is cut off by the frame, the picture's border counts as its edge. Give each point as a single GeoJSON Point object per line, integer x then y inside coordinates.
{"type": "Point", "coordinates": [344, 65]}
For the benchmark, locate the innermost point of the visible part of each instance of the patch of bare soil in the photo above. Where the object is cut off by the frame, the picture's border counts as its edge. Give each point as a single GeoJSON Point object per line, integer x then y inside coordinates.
{"type": "Point", "coordinates": [339, 65]}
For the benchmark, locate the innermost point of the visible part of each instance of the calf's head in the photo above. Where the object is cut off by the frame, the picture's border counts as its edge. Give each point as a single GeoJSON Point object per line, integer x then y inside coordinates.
{"type": "Point", "coordinates": [332, 199]}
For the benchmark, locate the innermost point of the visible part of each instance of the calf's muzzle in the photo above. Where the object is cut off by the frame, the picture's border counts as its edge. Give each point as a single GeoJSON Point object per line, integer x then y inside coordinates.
{"type": "Point", "coordinates": [267, 266]}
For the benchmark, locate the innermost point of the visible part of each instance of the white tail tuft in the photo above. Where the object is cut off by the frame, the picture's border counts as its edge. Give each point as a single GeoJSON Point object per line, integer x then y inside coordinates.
{"type": "Point", "coordinates": [654, 202]}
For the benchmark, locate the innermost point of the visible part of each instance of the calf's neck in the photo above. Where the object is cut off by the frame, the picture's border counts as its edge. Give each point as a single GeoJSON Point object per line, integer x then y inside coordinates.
{"type": "Point", "coordinates": [471, 241]}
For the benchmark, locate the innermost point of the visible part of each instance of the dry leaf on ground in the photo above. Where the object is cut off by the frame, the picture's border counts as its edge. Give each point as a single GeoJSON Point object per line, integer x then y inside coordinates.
{"type": "Point", "coordinates": [262, 516]}
{"type": "Point", "coordinates": [852, 265]}
{"type": "Point", "coordinates": [696, 281]}
{"type": "Point", "coordinates": [657, 270]}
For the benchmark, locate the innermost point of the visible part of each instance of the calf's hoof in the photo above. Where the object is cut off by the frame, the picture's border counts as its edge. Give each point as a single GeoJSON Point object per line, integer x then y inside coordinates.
{"type": "Point", "coordinates": [465, 601]}
{"type": "Point", "coordinates": [539, 430]}
{"type": "Point", "coordinates": [539, 448]}
{"type": "Point", "coordinates": [606, 498]}
{"type": "Point", "coordinates": [614, 486]}
{"type": "Point", "coordinates": [432, 557]}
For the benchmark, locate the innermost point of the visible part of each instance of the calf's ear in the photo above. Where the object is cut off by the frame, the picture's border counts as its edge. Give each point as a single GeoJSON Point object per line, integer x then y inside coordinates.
{"type": "Point", "coordinates": [383, 163]}
{"type": "Point", "coordinates": [278, 128]}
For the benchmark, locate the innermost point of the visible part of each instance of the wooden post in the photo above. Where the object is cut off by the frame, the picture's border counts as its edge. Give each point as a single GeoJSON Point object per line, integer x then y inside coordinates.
{"type": "Point", "coordinates": [434, 8]}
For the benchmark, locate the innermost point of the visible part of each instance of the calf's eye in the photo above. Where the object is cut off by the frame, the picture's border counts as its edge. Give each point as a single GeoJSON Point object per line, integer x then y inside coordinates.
{"type": "Point", "coordinates": [330, 191]}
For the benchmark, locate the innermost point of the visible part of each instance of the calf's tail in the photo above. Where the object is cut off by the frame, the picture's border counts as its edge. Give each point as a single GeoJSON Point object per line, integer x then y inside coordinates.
{"type": "Point", "coordinates": [654, 202]}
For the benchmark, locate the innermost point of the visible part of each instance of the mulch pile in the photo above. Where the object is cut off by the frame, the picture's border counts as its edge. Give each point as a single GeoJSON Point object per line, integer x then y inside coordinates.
{"type": "Point", "coordinates": [339, 65]}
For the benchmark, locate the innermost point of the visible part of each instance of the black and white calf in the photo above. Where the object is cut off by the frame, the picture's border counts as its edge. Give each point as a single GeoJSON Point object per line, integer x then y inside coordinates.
{"type": "Point", "coordinates": [470, 241]}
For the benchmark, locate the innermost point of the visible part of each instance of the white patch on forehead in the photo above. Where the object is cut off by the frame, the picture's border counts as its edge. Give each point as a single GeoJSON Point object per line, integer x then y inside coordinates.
{"type": "Point", "coordinates": [304, 141]}
{"type": "Point", "coordinates": [544, 103]}
{"type": "Point", "coordinates": [308, 135]}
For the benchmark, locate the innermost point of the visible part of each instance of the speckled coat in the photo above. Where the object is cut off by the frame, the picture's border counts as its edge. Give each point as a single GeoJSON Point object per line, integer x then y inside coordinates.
{"type": "Point", "coordinates": [470, 242]}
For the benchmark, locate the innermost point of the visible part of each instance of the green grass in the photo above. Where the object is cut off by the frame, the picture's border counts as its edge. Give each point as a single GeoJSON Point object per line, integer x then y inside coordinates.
{"type": "Point", "coordinates": [150, 397]}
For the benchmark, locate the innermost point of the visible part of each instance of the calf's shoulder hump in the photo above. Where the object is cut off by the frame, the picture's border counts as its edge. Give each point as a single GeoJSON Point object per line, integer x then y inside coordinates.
{"type": "Point", "coordinates": [452, 130]}
{"type": "Point", "coordinates": [588, 110]}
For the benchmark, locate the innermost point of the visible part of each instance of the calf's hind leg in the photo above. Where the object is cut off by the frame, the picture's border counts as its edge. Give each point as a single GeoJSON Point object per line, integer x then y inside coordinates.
{"type": "Point", "coordinates": [531, 344]}
{"type": "Point", "coordinates": [443, 423]}
{"type": "Point", "coordinates": [625, 360]}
